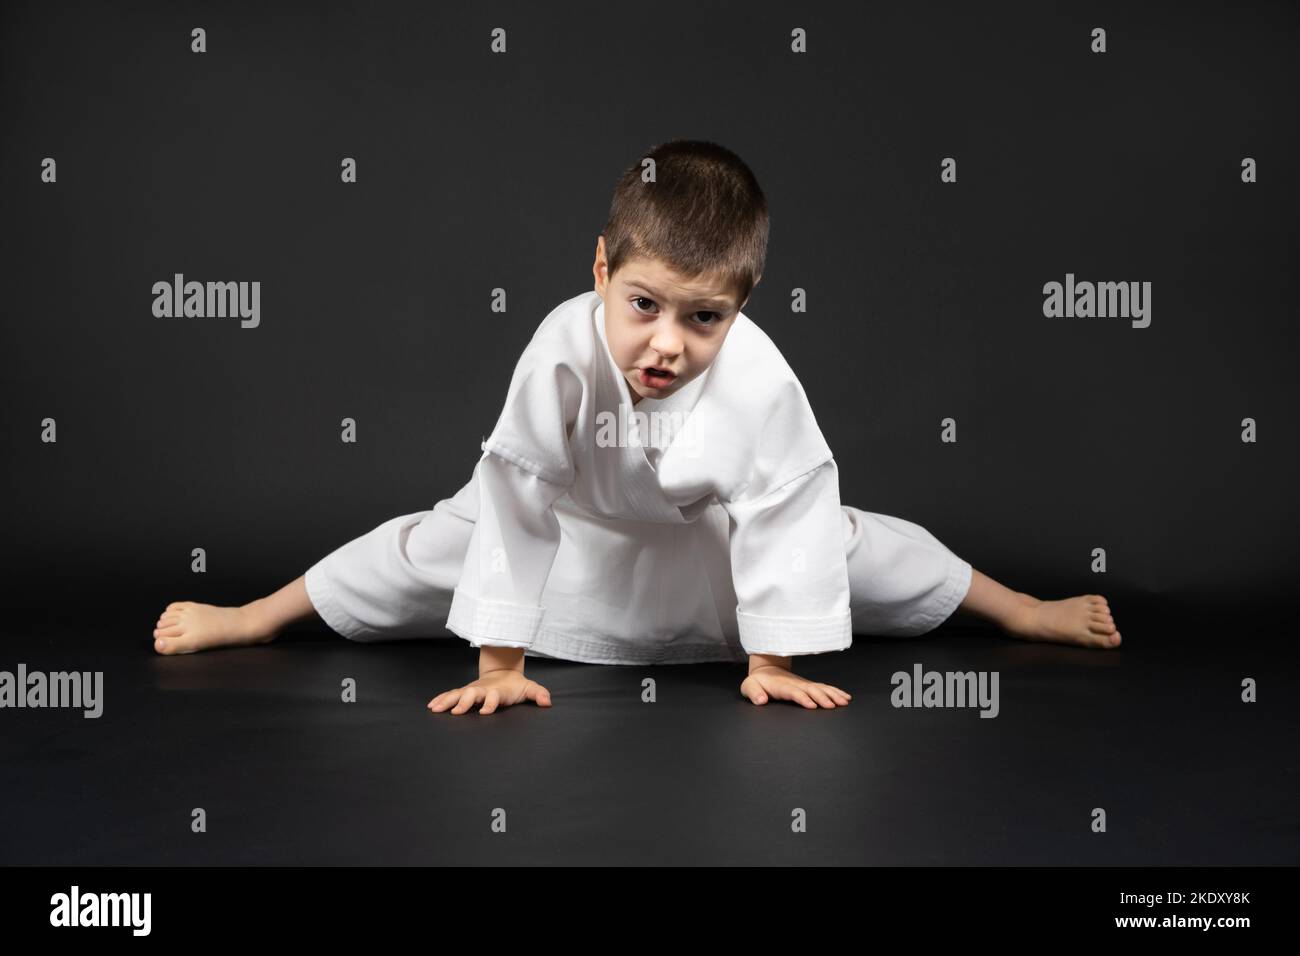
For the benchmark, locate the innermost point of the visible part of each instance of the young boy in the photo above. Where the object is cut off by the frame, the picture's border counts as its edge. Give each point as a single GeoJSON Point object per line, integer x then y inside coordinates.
{"type": "Point", "coordinates": [656, 490]}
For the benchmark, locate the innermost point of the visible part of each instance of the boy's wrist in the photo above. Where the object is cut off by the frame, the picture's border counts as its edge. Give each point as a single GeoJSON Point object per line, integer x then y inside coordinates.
{"type": "Point", "coordinates": [768, 660]}
{"type": "Point", "coordinates": [499, 659]}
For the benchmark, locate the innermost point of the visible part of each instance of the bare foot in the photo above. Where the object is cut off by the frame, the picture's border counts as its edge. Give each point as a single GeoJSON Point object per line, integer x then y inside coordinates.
{"type": "Point", "coordinates": [186, 627]}
{"type": "Point", "coordinates": [1083, 620]}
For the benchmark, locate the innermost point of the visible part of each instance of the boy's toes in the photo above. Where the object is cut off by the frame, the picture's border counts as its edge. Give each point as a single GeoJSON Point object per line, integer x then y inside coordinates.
{"type": "Point", "coordinates": [173, 644]}
{"type": "Point", "coordinates": [169, 640]}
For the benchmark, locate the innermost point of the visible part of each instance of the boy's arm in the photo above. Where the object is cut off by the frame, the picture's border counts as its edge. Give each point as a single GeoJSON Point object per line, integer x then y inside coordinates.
{"type": "Point", "coordinates": [497, 602]}
{"type": "Point", "coordinates": [526, 466]}
{"type": "Point", "coordinates": [789, 568]}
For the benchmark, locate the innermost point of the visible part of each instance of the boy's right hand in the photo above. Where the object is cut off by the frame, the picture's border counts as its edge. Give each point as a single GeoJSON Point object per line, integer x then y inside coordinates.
{"type": "Point", "coordinates": [495, 688]}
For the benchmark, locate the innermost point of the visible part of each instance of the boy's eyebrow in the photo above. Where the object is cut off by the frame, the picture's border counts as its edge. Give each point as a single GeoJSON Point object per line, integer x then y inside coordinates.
{"type": "Point", "coordinates": [722, 303]}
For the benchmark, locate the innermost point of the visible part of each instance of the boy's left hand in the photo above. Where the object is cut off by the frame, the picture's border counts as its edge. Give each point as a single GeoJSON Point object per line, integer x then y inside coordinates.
{"type": "Point", "coordinates": [774, 682]}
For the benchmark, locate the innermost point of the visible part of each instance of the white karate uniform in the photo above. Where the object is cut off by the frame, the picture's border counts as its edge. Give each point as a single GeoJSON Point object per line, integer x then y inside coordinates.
{"type": "Point", "coordinates": [704, 526]}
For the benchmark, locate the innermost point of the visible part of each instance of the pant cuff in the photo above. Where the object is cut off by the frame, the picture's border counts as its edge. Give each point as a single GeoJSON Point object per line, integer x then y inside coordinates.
{"type": "Point", "coordinates": [955, 588]}
{"type": "Point", "coordinates": [322, 598]}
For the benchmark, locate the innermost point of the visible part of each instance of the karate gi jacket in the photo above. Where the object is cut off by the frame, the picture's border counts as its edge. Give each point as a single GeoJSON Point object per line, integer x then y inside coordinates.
{"type": "Point", "coordinates": [708, 530]}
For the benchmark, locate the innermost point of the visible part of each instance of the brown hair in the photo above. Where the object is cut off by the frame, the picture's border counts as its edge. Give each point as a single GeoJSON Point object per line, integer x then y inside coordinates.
{"type": "Point", "coordinates": [704, 214]}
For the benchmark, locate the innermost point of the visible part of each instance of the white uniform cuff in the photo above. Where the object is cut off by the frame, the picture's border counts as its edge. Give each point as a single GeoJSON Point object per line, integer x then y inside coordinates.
{"type": "Point", "coordinates": [493, 623]}
{"type": "Point", "coordinates": [790, 636]}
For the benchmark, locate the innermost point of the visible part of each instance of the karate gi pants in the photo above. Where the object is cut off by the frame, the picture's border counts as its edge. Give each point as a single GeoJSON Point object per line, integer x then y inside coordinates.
{"type": "Point", "coordinates": [396, 582]}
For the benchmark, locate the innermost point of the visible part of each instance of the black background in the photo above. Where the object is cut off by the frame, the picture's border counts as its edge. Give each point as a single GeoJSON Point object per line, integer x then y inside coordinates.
{"type": "Point", "coordinates": [479, 171]}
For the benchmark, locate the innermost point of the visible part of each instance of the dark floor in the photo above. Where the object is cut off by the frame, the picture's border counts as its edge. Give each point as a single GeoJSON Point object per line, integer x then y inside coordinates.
{"type": "Point", "coordinates": [1155, 733]}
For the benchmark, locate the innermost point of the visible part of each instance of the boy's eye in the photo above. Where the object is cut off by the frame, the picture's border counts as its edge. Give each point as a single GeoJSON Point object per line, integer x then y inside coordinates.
{"type": "Point", "coordinates": [715, 316]}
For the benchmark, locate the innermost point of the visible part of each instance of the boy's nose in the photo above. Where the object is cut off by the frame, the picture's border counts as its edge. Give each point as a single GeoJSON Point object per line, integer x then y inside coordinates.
{"type": "Point", "coordinates": [666, 342]}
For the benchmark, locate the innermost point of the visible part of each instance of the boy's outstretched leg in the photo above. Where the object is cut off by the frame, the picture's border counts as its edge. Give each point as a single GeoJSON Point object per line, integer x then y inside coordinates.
{"type": "Point", "coordinates": [186, 626]}
{"type": "Point", "coordinates": [1085, 620]}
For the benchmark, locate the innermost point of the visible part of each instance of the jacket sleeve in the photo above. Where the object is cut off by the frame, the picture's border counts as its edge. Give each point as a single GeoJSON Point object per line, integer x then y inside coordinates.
{"type": "Point", "coordinates": [789, 567]}
{"type": "Point", "coordinates": [497, 601]}
{"type": "Point", "coordinates": [526, 466]}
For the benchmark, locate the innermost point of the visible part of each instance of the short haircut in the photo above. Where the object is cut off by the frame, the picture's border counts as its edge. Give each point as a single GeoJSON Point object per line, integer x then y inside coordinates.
{"type": "Point", "coordinates": [704, 214]}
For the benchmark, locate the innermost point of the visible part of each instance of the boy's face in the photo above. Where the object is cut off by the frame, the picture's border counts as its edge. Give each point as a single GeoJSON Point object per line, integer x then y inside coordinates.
{"type": "Point", "coordinates": [655, 321]}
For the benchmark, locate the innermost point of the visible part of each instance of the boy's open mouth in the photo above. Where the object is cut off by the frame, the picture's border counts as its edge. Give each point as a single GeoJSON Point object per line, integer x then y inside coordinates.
{"type": "Point", "coordinates": [656, 377]}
